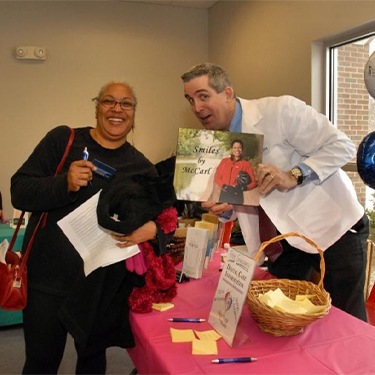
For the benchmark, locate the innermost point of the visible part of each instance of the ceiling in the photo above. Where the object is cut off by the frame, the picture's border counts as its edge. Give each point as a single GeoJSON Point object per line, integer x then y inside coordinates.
{"type": "Point", "coordinates": [205, 4]}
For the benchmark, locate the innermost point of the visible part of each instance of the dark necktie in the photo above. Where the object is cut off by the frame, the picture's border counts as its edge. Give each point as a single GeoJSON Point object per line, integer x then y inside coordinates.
{"type": "Point", "coordinates": [267, 231]}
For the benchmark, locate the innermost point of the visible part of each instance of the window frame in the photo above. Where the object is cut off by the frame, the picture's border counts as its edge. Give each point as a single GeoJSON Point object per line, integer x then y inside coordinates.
{"type": "Point", "coordinates": [321, 68]}
{"type": "Point", "coordinates": [325, 51]}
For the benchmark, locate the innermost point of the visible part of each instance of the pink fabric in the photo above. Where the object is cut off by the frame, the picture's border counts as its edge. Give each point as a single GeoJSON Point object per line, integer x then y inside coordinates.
{"type": "Point", "coordinates": [136, 264]}
{"type": "Point", "coordinates": [337, 343]}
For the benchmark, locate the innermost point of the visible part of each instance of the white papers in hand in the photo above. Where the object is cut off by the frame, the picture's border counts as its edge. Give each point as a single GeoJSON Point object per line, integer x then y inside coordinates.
{"type": "Point", "coordinates": [94, 244]}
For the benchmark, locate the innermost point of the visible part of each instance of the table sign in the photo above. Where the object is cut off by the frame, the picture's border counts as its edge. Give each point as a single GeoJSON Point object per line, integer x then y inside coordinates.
{"type": "Point", "coordinates": [230, 296]}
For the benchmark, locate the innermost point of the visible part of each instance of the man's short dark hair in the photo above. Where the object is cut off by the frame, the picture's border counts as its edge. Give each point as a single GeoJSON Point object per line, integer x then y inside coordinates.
{"type": "Point", "coordinates": [218, 78]}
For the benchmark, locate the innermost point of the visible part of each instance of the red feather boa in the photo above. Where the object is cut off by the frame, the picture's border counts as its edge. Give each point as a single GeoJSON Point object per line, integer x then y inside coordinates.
{"type": "Point", "coordinates": [160, 277]}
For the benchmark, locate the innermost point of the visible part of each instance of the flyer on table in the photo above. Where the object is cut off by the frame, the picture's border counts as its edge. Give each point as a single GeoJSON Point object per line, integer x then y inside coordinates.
{"type": "Point", "coordinates": [231, 294]}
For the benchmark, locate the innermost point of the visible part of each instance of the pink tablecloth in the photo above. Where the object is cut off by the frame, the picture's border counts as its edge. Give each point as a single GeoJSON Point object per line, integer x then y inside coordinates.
{"type": "Point", "coordinates": [335, 344]}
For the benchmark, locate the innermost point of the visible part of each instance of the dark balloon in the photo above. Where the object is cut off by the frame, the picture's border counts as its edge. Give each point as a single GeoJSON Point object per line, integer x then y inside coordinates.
{"type": "Point", "coordinates": [366, 160]}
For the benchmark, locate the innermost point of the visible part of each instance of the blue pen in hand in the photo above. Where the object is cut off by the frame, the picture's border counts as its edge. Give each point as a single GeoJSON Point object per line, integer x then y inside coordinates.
{"type": "Point", "coordinates": [85, 156]}
{"type": "Point", "coordinates": [234, 360]}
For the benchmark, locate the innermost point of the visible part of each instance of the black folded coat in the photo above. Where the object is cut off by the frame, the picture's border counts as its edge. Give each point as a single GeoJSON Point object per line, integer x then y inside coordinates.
{"type": "Point", "coordinates": [129, 202]}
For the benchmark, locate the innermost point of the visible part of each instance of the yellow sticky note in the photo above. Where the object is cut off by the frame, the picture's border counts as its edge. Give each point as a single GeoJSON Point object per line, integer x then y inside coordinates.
{"type": "Point", "coordinates": [210, 335]}
{"type": "Point", "coordinates": [273, 297]}
{"type": "Point", "coordinates": [300, 297]}
{"type": "Point", "coordinates": [162, 306]}
{"type": "Point", "coordinates": [279, 301]}
{"type": "Point", "coordinates": [290, 306]}
{"type": "Point", "coordinates": [204, 347]}
{"type": "Point", "coordinates": [182, 335]}
{"type": "Point", "coordinates": [310, 307]}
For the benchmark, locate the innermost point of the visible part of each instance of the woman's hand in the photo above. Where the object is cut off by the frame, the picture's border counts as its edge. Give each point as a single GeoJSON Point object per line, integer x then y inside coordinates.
{"type": "Point", "coordinates": [144, 233]}
{"type": "Point", "coordinates": [79, 174]}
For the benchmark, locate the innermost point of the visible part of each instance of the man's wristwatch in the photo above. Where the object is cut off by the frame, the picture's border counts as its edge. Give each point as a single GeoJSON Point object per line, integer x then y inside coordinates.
{"type": "Point", "coordinates": [297, 174]}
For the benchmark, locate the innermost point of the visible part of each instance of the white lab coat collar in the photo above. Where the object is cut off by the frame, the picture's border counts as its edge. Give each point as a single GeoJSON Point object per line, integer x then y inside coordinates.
{"type": "Point", "coordinates": [250, 116]}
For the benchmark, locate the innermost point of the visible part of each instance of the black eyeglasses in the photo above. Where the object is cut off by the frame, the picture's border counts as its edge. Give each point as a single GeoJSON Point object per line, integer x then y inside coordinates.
{"type": "Point", "coordinates": [110, 103]}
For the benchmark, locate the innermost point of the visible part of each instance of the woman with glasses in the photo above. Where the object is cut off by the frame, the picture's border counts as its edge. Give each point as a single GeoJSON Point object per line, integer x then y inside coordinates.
{"type": "Point", "coordinates": [61, 299]}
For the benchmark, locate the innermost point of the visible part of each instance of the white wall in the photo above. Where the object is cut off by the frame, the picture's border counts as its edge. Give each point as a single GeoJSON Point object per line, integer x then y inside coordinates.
{"type": "Point", "coordinates": [88, 44]}
{"type": "Point", "coordinates": [266, 45]}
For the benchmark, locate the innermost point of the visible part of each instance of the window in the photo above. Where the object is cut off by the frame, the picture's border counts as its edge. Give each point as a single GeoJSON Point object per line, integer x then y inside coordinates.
{"type": "Point", "coordinates": [349, 105]}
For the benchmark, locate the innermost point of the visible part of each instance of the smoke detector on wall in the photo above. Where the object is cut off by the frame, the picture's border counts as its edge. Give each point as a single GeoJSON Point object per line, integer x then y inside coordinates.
{"type": "Point", "coordinates": [30, 53]}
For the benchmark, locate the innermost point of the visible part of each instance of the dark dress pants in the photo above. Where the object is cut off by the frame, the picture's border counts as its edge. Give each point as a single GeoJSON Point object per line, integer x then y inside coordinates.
{"type": "Point", "coordinates": [45, 338]}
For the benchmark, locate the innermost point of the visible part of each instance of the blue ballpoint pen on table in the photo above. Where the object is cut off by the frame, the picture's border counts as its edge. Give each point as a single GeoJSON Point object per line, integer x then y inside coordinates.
{"type": "Point", "coordinates": [190, 320]}
{"type": "Point", "coordinates": [234, 360]}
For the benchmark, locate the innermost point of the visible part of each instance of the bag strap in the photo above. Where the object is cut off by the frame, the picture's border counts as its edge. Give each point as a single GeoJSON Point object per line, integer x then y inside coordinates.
{"type": "Point", "coordinates": [66, 152]}
{"type": "Point", "coordinates": [43, 217]}
{"type": "Point", "coordinates": [16, 231]}
{"type": "Point", "coordinates": [59, 168]}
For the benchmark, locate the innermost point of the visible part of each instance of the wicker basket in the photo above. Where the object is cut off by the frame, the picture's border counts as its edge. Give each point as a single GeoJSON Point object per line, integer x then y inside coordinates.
{"type": "Point", "coordinates": [279, 323]}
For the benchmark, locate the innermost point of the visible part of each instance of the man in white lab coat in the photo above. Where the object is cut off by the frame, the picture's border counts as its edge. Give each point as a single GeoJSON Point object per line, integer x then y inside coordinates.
{"type": "Point", "coordinates": [302, 186]}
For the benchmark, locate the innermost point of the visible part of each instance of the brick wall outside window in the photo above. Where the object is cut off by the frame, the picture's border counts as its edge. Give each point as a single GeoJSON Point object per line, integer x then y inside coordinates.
{"type": "Point", "coordinates": [354, 103]}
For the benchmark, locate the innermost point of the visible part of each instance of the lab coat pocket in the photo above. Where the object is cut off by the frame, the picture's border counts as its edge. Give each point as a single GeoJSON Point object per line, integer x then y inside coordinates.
{"type": "Point", "coordinates": [317, 213]}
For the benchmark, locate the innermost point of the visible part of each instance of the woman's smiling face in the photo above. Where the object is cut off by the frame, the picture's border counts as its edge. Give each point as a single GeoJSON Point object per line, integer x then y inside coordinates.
{"type": "Point", "coordinates": [115, 113]}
